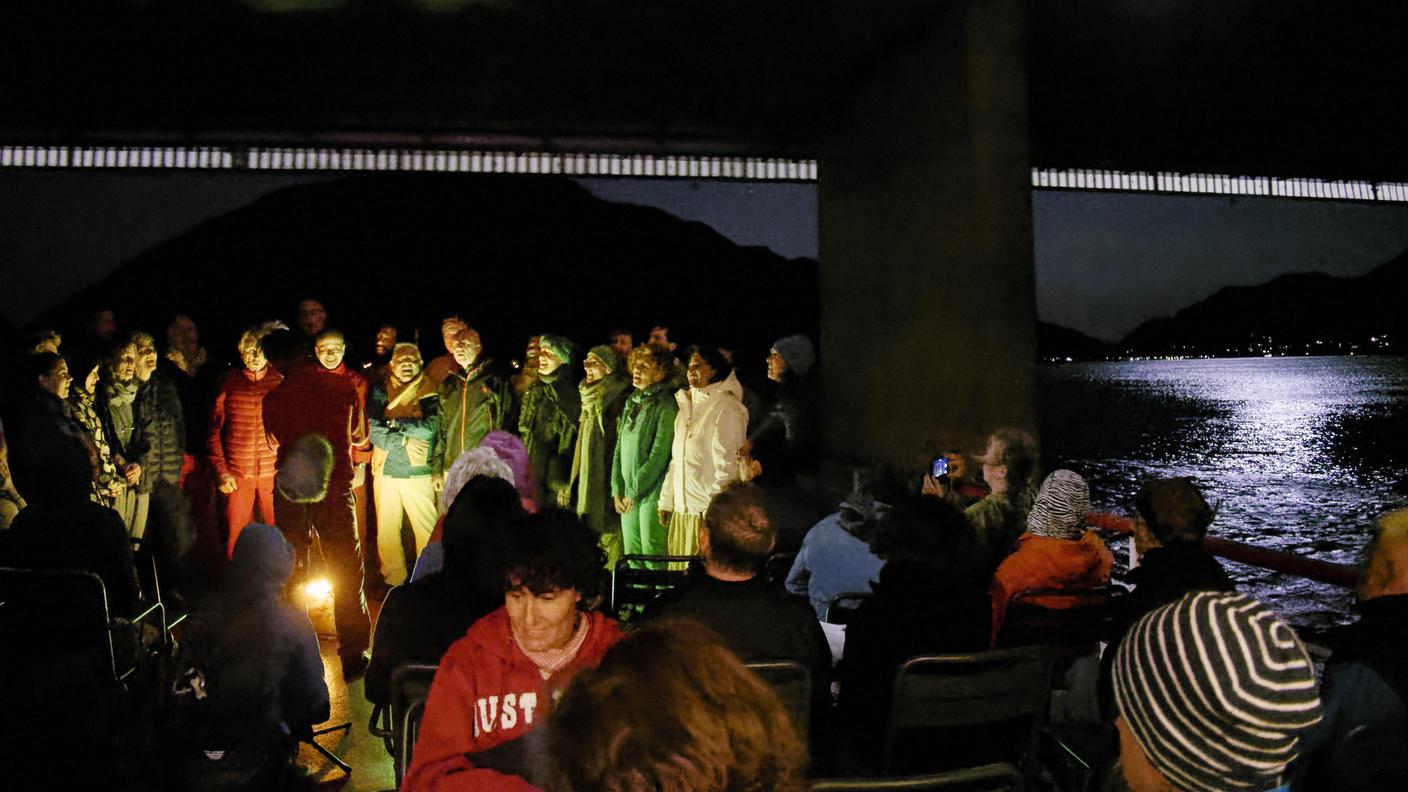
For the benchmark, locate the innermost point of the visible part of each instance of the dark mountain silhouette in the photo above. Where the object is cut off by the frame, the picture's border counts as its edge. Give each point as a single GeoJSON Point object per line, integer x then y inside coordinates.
{"type": "Point", "coordinates": [1054, 342]}
{"type": "Point", "coordinates": [514, 255]}
{"type": "Point", "coordinates": [1289, 311]}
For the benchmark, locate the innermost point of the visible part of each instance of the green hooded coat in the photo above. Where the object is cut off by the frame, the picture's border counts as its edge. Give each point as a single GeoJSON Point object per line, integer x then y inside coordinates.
{"type": "Point", "coordinates": [646, 434]}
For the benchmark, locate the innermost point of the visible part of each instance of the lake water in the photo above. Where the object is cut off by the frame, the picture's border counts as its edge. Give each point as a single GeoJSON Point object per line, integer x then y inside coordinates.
{"type": "Point", "coordinates": [1296, 454]}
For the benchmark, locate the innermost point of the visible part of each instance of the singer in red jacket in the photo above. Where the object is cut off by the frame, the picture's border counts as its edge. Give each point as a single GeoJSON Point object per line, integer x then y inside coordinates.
{"type": "Point", "coordinates": [238, 447]}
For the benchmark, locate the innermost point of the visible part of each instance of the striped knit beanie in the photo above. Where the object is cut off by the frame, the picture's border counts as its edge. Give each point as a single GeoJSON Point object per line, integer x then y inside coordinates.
{"type": "Point", "coordinates": [1060, 507]}
{"type": "Point", "coordinates": [1217, 691]}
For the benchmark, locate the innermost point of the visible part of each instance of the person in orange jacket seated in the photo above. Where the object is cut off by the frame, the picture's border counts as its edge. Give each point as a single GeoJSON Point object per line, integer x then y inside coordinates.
{"type": "Point", "coordinates": [1056, 551]}
{"type": "Point", "coordinates": [499, 682]}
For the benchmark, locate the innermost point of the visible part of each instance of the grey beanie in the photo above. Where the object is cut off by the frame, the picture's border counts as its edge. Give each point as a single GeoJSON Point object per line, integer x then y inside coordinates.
{"type": "Point", "coordinates": [1061, 506]}
{"type": "Point", "coordinates": [1217, 692]}
{"type": "Point", "coordinates": [797, 352]}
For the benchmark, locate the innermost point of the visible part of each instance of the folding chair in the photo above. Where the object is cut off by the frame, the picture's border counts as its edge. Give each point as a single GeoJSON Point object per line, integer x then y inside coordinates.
{"type": "Point", "coordinates": [410, 685]}
{"type": "Point", "coordinates": [844, 605]}
{"type": "Point", "coordinates": [969, 705]}
{"type": "Point", "coordinates": [57, 616]}
{"type": "Point", "coordinates": [637, 579]}
{"type": "Point", "coordinates": [998, 777]}
{"type": "Point", "coordinates": [792, 682]}
{"type": "Point", "coordinates": [1076, 619]}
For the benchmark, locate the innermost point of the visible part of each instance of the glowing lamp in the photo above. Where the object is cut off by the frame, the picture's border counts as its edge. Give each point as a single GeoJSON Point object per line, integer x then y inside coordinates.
{"type": "Point", "coordinates": [319, 590]}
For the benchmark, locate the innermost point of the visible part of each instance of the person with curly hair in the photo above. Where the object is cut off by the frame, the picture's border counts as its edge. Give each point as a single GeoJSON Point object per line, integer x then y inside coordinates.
{"type": "Point", "coordinates": [498, 683]}
{"type": "Point", "coordinates": [671, 708]}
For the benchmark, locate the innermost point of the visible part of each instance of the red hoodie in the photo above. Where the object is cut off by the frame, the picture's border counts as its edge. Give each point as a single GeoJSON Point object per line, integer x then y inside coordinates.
{"type": "Point", "coordinates": [487, 693]}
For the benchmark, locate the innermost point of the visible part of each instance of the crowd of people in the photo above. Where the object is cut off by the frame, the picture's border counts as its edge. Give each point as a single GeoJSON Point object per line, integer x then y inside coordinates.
{"type": "Point", "coordinates": [496, 499]}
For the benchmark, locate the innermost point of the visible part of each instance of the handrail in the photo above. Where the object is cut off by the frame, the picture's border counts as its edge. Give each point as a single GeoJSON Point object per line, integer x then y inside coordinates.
{"type": "Point", "coordinates": [1343, 575]}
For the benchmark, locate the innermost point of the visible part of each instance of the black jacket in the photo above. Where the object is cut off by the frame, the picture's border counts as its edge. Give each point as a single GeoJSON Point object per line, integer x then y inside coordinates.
{"type": "Point", "coordinates": [419, 621]}
{"type": "Point", "coordinates": [159, 433]}
{"type": "Point", "coordinates": [75, 534]}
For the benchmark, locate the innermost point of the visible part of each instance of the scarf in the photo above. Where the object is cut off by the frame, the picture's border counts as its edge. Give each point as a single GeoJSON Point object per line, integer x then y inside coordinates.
{"type": "Point", "coordinates": [543, 416]}
{"type": "Point", "coordinates": [120, 396]}
{"type": "Point", "coordinates": [550, 661]}
{"type": "Point", "coordinates": [403, 399]}
{"type": "Point", "coordinates": [596, 395]}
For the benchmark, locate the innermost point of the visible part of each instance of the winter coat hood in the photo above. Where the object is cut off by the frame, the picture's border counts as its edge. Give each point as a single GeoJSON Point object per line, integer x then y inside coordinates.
{"type": "Point", "coordinates": [262, 562]}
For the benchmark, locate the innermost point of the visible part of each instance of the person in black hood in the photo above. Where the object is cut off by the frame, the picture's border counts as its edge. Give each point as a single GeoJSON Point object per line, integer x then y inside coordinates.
{"type": "Point", "coordinates": [242, 712]}
{"type": "Point", "coordinates": [420, 620]}
{"type": "Point", "coordinates": [931, 598]}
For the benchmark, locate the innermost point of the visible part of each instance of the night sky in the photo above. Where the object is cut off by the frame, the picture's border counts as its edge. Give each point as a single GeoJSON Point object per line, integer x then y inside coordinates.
{"type": "Point", "coordinates": [1105, 262]}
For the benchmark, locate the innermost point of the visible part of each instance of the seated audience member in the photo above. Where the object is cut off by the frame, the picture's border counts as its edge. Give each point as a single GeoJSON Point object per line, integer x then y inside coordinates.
{"type": "Point", "coordinates": [1172, 520]}
{"type": "Point", "coordinates": [729, 594]}
{"type": "Point", "coordinates": [1214, 693]}
{"type": "Point", "coordinates": [498, 683]}
{"type": "Point", "coordinates": [835, 557]}
{"type": "Point", "coordinates": [1009, 469]}
{"type": "Point", "coordinates": [420, 620]}
{"type": "Point", "coordinates": [499, 455]}
{"type": "Point", "coordinates": [1056, 552]}
{"type": "Point", "coordinates": [1168, 537]}
{"type": "Point", "coordinates": [671, 708]}
{"type": "Point", "coordinates": [931, 599]}
{"type": "Point", "coordinates": [62, 528]}
{"type": "Point", "coordinates": [1360, 744]}
{"type": "Point", "coordinates": [956, 486]}
{"type": "Point", "coordinates": [242, 712]}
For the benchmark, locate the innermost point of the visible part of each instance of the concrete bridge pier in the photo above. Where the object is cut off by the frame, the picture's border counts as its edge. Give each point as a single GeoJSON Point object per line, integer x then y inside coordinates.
{"type": "Point", "coordinates": [928, 307]}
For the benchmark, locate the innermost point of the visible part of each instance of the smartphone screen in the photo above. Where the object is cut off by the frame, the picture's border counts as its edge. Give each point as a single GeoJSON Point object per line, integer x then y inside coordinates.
{"type": "Point", "coordinates": [940, 467]}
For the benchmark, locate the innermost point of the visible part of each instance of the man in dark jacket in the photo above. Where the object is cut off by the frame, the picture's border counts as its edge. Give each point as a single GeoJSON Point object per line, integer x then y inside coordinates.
{"type": "Point", "coordinates": [473, 400]}
{"type": "Point", "coordinates": [243, 711]}
{"type": "Point", "coordinates": [1360, 743]}
{"type": "Point", "coordinates": [728, 593]}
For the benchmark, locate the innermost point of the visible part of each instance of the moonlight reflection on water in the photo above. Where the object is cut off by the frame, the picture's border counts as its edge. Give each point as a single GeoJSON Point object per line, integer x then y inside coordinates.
{"type": "Point", "coordinates": [1296, 454]}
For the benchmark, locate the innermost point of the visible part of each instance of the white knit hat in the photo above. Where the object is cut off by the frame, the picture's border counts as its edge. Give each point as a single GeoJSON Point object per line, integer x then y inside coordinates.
{"type": "Point", "coordinates": [1217, 692]}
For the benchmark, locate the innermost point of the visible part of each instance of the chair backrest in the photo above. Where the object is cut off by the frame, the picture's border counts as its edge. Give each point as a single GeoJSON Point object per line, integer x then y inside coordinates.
{"type": "Point", "coordinates": [1061, 617]}
{"type": "Point", "coordinates": [997, 777]}
{"type": "Point", "coordinates": [792, 682]}
{"type": "Point", "coordinates": [953, 694]}
{"type": "Point", "coordinates": [410, 685]}
{"type": "Point", "coordinates": [843, 606]}
{"type": "Point", "coordinates": [51, 615]}
{"type": "Point", "coordinates": [637, 579]}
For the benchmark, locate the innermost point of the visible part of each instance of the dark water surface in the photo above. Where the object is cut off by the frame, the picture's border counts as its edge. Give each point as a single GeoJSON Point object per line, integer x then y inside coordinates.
{"type": "Point", "coordinates": [1296, 454]}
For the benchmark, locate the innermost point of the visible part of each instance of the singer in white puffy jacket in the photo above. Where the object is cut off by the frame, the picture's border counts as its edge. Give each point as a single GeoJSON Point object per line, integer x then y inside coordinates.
{"type": "Point", "coordinates": [710, 429]}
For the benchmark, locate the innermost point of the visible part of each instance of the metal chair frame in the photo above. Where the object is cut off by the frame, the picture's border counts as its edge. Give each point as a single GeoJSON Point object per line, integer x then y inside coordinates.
{"type": "Point", "coordinates": [646, 579]}
{"type": "Point", "coordinates": [956, 691]}
{"type": "Point", "coordinates": [405, 711]}
{"type": "Point", "coordinates": [784, 677]}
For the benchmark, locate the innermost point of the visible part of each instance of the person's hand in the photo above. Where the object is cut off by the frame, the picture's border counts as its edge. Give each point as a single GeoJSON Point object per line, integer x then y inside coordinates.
{"type": "Point", "coordinates": [620, 505]}
{"type": "Point", "coordinates": [630, 504]}
{"type": "Point", "coordinates": [932, 487]}
{"type": "Point", "coordinates": [116, 488]}
{"type": "Point", "coordinates": [133, 473]}
{"type": "Point", "coordinates": [664, 516]}
{"type": "Point", "coordinates": [228, 483]}
{"type": "Point", "coordinates": [564, 497]}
